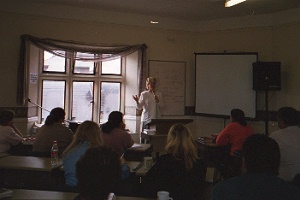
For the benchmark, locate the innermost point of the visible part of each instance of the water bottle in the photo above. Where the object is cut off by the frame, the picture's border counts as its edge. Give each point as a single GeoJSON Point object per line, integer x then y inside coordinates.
{"type": "Point", "coordinates": [54, 154]}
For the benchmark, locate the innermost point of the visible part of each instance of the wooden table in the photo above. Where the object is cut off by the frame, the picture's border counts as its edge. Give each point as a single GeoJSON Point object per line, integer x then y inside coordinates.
{"type": "Point", "coordinates": [138, 151]}
{"type": "Point", "coordinates": [213, 155]}
{"type": "Point", "coordinates": [40, 194]}
{"type": "Point", "coordinates": [132, 198]}
{"type": "Point", "coordinates": [26, 163]}
{"type": "Point", "coordinates": [22, 149]}
{"type": "Point", "coordinates": [131, 185]}
{"type": "Point", "coordinates": [29, 173]}
{"type": "Point", "coordinates": [142, 171]}
{"type": "Point", "coordinates": [2, 155]}
{"type": "Point", "coordinates": [158, 142]}
{"type": "Point", "coordinates": [211, 152]}
{"type": "Point", "coordinates": [133, 165]}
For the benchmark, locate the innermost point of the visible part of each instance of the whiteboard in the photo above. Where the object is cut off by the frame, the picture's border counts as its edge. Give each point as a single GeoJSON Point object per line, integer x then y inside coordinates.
{"type": "Point", "coordinates": [171, 84]}
{"type": "Point", "coordinates": [224, 82]}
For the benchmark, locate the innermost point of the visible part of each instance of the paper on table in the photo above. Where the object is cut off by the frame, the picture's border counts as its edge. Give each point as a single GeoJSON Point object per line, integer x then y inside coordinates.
{"type": "Point", "coordinates": [5, 193]}
{"type": "Point", "coordinates": [137, 145]}
{"type": "Point", "coordinates": [111, 196]}
{"type": "Point", "coordinates": [149, 131]}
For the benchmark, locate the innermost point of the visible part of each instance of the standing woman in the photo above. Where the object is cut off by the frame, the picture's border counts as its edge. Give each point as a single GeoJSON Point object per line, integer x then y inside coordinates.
{"type": "Point", "coordinates": [52, 130]}
{"type": "Point", "coordinates": [87, 135]}
{"type": "Point", "coordinates": [9, 134]}
{"type": "Point", "coordinates": [179, 171]}
{"type": "Point", "coordinates": [114, 135]}
{"type": "Point", "coordinates": [150, 101]}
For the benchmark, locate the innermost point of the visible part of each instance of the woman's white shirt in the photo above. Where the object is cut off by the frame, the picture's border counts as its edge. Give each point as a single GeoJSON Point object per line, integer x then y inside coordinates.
{"type": "Point", "coordinates": [151, 109]}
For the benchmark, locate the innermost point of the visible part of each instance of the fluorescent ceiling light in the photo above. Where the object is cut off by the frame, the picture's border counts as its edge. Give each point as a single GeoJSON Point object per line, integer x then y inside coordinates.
{"type": "Point", "coordinates": [229, 3]}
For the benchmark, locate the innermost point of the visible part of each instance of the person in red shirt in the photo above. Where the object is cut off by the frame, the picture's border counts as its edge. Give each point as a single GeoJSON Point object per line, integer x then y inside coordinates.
{"type": "Point", "coordinates": [235, 134]}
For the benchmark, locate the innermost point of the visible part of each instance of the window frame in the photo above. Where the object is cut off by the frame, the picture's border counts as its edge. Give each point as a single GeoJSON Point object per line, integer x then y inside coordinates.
{"type": "Point", "coordinates": [53, 72]}
{"type": "Point", "coordinates": [100, 87]}
{"type": "Point", "coordinates": [41, 96]}
{"type": "Point", "coordinates": [72, 97]}
{"type": "Point", "coordinates": [69, 77]}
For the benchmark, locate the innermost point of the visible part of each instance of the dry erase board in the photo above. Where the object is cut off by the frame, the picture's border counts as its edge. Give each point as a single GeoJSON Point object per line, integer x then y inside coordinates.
{"type": "Point", "coordinates": [171, 84]}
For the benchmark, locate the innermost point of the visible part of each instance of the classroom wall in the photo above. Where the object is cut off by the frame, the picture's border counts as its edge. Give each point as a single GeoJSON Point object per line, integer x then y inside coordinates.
{"type": "Point", "coordinates": [273, 43]}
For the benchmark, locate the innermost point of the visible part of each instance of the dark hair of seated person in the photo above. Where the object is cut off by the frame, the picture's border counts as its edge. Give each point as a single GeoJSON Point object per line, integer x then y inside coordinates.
{"type": "Point", "coordinates": [6, 116]}
{"type": "Point", "coordinates": [261, 154]}
{"type": "Point", "coordinates": [56, 115]}
{"type": "Point", "coordinates": [288, 115]}
{"type": "Point", "coordinates": [98, 171]}
{"type": "Point", "coordinates": [115, 118]}
{"type": "Point", "coordinates": [237, 115]}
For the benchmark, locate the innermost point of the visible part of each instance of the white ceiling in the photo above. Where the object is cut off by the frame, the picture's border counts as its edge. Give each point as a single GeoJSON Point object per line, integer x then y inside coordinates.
{"type": "Point", "coordinates": [192, 10]}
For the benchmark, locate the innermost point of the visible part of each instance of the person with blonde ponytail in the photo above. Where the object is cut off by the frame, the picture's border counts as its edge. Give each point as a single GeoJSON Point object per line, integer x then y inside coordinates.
{"type": "Point", "coordinates": [87, 135]}
{"type": "Point", "coordinates": [179, 171]}
{"type": "Point", "coordinates": [150, 101]}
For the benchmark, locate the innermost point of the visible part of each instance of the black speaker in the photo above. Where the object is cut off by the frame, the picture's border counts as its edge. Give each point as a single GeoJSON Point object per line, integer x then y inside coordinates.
{"type": "Point", "coordinates": [266, 76]}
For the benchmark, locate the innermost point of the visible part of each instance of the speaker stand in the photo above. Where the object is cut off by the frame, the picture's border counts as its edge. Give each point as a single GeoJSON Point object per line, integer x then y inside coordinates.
{"type": "Point", "coordinates": [266, 113]}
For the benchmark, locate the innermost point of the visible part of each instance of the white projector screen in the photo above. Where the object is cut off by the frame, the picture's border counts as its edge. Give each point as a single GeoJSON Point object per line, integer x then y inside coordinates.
{"type": "Point", "coordinates": [224, 82]}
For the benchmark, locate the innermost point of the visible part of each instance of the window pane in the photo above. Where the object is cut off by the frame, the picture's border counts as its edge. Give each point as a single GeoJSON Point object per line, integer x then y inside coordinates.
{"type": "Point", "coordinates": [112, 66]}
{"type": "Point", "coordinates": [82, 67]}
{"type": "Point", "coordinates": [82, 108]}
{"type": "Point", "coordinates": [110, 99]}
{"type": "Point", "coordinates": [53, 96]}
{"type": "Point", "coordinates": [53, 63]}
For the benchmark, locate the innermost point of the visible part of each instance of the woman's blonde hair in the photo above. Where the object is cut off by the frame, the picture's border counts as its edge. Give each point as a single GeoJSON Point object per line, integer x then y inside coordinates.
{"type": "Point", "coordinates": [150, 80]}
{"type": "Point", "coordinates": [181, 145]}
{"type": "Point", "coordinates": [87, 131]}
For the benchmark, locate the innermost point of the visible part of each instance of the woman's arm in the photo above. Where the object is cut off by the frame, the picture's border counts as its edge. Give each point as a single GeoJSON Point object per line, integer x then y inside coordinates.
{"type": "Point", "coordinates": [11, 124]}
{"type": "Point", "coordinates": [13, 137]}
{"type": "Point", "coordinates": [139, 101]}
{"type": "Point", "coordinates": [222, 138]}
{"type": "Point", "coordinates": [128, 142]}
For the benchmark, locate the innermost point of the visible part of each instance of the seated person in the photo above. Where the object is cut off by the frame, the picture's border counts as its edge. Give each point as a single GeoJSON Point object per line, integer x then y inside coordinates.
{"type": "Point", "coordinates": [179, 171]}
{"type": "Point", "coordinates": [234, 134]}
{"type": "Point", "coordinates": [98, 173]}
{"type": "Point", "coordinates": [261, 158]}
{"type": "Point", "coordinates": [52, 130]}
{"type": "Point", "coordinates": [288, 139]}
{"type": "Point", "coordinates": [114, 135]}
{"type": "Point", "coordinates": [9, 134]}
{"type": "Point", "coordinates": [87, 135]}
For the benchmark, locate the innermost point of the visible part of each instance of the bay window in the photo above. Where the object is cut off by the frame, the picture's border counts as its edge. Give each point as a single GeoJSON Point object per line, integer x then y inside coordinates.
{"type": "Point", "coordinates": [88, 81]}
{"type": "Point", "coordinates": [75, 85]}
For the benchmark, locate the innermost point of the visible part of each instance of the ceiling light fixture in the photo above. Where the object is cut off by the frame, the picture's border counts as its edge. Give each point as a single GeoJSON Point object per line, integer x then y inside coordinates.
{"type": "Point", "coordinates": [229, 3]}
{"type": "Point", "coordinates": [154, 22]}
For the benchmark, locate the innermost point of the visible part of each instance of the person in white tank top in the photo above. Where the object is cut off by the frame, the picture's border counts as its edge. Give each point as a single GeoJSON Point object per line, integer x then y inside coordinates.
{"type": "Point", "coordinates": [150, 101]}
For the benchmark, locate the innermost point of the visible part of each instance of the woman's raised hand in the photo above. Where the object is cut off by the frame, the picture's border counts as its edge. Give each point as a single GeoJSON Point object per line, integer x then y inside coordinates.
{"type": "Point", "coordinates": [135, 97]}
